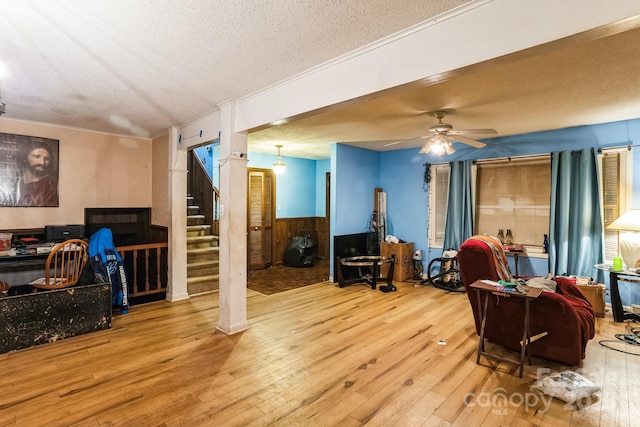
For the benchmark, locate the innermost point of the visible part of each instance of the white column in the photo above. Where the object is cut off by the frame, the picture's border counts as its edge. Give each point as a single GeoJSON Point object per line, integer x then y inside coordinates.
{"type": "Point", "coordinates": [233, 224]}
{"type": "Point", "coordinates": [177, 283]}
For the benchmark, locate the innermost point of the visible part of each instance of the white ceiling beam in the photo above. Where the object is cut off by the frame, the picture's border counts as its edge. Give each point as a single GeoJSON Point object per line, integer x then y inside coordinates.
{"type": "Point", "coordinates": [480, 31]}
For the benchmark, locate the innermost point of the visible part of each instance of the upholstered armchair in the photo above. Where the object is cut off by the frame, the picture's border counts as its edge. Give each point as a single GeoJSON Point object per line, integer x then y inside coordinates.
{"type": "Point", "coordinates": [565, 315]}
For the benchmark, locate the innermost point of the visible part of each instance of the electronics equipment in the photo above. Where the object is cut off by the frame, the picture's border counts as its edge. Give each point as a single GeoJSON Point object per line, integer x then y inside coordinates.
{"type": "Point", "coordinates": [349, 245]}
{"type": "Point", "coordinates": [60, 233]}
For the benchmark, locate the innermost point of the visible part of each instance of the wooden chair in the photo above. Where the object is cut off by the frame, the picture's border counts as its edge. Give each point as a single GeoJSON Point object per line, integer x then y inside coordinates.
{"type": "Point", "coordinates": [64, 265]}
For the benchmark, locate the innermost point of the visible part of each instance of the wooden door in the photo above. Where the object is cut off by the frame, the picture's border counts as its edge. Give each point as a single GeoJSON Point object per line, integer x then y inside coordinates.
{"type": "Point", "coordinates": [261, 214]}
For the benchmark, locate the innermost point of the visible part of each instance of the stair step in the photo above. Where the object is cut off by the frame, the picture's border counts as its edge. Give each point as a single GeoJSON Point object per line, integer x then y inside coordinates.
{"type": "Point", "coordinates": [209, 270]}
{"type": "Point", "coordinates": [203, 254]}
{"type": "Point", "coordinates": [198, 230]}
{"type": "Point", "coordinates": [200, 279]}
{"type": "Point", "coordinates": [212, 249]}
{"type": "Point", "coordinates": [203, 263]}
{"type": "Point", "coordinates": [205, 238]}
{"type": "Point", "coordinates": [203, 268]}
{"type": "Point", "coordinates": [195, 219]}
{"type": "Point", "coordinates": [198, 227]}
{"type": "Point", "coordinates": [201, 242]}
{"type": "Point", "coordinates": [198, 264]}
{"type": "Point", "coordinates": [203, 284]}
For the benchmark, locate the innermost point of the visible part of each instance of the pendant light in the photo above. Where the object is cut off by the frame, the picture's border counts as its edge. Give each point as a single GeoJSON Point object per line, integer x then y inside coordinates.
{"type": "Point", "coordinates": [279, 166]}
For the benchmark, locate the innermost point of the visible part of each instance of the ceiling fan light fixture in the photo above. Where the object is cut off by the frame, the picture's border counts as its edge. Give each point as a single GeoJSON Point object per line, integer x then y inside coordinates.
{"type": "Point", "coordinates": [448, 148]}
{"type": "Point", "coordinates": [438, 149]}
{"type": "Point", "coordinates": [279, 166]}
{"type": "Point", "coordinates": [439, 144]}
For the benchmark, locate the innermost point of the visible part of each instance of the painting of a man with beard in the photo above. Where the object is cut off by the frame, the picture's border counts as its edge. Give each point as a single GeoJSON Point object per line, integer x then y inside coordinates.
{"type": "Point", "coordinates": [38, 184]}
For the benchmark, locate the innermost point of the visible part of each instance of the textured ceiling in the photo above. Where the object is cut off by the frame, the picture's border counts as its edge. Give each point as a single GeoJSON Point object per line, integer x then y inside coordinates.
{"type": "Point", "coordinates": [588, 82]}
{"type": "Point", "coordinates": [139, 67]}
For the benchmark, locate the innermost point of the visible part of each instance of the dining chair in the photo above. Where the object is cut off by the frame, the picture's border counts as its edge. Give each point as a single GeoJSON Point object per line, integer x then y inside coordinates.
{"type": "Point", "coordinates": [64, 265]}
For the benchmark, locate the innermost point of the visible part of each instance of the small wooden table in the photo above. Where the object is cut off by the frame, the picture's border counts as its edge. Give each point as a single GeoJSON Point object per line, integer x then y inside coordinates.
{"type": "Point", "coordinates": [516, 258]}
{"type": "Point", "coordinates": [373, 262]}
{"type": "Point", "coordinates": [482, 287]}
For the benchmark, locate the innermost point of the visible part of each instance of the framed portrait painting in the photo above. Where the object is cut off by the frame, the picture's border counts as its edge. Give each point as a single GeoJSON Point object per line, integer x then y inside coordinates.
{"type": "Point", "coordinates": [28, 171]}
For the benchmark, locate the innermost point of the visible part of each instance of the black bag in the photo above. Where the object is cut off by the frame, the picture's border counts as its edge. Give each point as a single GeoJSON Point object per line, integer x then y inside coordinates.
{"type": "Point", "coordinates": [300, 252]}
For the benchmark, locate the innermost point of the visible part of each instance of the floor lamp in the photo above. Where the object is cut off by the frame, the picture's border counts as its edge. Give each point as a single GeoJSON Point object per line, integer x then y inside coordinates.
{"type": "Point", "coordinates": [629, 226]}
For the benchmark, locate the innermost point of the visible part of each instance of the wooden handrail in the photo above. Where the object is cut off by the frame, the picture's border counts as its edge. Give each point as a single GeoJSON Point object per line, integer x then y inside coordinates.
{"type": "Point", "coordinates": [146, 277]}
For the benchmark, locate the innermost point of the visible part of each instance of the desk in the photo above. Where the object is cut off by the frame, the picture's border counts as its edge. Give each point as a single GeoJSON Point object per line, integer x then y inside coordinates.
{"type": "Point", "coordinates": [367, 261]}
{"type": "Point", "coordinates": [23, 260]}
{"type": "Point", "coordinates": [532, 293]}
{"type": "Point", "coordinates": [22, 269]}
{"type": "Point", "coordinates": [619, 315]}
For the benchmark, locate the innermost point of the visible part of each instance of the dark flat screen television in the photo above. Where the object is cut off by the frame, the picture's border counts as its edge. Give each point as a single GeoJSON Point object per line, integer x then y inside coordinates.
{"type": "Point", "coordinates": [356, 244]}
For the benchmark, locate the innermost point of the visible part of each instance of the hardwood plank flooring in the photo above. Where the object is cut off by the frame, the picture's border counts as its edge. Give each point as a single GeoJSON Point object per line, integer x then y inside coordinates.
{"type": "Point", "coordinates": [313, 356]}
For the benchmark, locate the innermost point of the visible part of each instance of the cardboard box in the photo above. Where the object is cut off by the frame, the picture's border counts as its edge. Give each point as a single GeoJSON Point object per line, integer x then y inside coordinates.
{"type": "Point", "coordinates": [595, 295]}
{"type": "Point", "coordinates": [403, 267]}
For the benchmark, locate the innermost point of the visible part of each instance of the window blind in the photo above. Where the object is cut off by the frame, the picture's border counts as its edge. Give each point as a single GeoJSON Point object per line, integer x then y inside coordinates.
{"type": "Point", "coordinates": [438, 198]}
{"type": "Point", "coordinates": [514, 194]}
{"type": "Point", "coordinates": [610, 201]}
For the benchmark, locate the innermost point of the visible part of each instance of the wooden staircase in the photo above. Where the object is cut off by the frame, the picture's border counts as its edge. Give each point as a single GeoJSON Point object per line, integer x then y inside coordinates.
{"type": "Point", "coordinates": [202, 253]}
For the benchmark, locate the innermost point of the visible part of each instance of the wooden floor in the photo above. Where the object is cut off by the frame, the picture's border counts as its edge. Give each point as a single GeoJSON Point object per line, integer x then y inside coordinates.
{"type": "Point", "coordinates": [318, 356]}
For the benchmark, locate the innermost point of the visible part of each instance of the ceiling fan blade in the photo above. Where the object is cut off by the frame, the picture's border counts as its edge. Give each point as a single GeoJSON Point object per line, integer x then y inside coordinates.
{"type": "Point", "coordinates": [394, 143]}
{"type": "Point", "coordinates": [468, 141]}
{"type": "Point", "coordinates": [473, 132]}
{"type": "Point", "coordinates": [404, 140]}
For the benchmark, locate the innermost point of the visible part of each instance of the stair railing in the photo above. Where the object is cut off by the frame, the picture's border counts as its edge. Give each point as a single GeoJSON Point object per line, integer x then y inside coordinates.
{"type": "Point", "coordinates": [146, 267]}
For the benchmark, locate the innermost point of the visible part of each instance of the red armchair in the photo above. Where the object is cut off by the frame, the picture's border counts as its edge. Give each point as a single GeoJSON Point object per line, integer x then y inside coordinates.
{"type": "Point", "coordinates": [565, 315]}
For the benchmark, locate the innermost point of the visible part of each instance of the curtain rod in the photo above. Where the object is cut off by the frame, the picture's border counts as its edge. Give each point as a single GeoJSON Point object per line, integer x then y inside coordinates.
{"type": "Point", "coordinates": [541, 155]}
{"type": "Point", "coordinates": [509, 158]}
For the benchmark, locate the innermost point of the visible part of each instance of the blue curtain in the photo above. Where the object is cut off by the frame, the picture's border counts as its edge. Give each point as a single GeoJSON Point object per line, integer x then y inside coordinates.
{"type": "Point", "coordinates": [575, 227]}
{"type": "Point", "coordinates": [459, 224]}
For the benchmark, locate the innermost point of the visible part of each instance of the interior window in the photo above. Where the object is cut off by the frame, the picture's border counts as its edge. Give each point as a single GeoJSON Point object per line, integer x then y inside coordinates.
{"type": "Point", "coordinates": [615, 167]}
{"type": "Point", "coordinates": [514, 194]}
{"type": "Point", "coordinates": [438, 196]}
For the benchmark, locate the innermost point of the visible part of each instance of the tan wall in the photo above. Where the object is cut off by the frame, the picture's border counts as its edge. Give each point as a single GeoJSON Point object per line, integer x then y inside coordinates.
{"type": "Point", "coordinates": [160, 182]}
{"type": "Point", "coordinates": [96, 170]}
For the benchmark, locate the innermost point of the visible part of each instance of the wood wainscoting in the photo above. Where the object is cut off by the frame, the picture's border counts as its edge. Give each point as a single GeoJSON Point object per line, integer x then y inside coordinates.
{"type": "Point", "coordinates": [286, 228]}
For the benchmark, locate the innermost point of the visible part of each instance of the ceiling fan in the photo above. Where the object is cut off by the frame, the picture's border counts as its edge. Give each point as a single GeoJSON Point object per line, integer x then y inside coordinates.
{"type": "Point", "coordinates": [442, 135]}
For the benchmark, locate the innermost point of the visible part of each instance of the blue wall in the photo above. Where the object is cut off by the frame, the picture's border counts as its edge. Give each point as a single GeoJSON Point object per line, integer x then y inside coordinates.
{"type": "Point", "coordinates": [210, 157]}
{"type": "Point", "coordinates": [401, 176]}
{"type": "Point", "coordinates": [355, 172]}
{"type": "Point", "coordinates": [297, 190]}
{"type": "Point", "coordinates": [300, 192]}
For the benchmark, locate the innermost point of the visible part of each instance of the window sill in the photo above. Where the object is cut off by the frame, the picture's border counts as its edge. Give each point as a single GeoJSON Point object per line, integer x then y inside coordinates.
{"type": "Point", "coordinates": [528, 254]}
